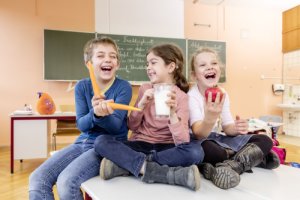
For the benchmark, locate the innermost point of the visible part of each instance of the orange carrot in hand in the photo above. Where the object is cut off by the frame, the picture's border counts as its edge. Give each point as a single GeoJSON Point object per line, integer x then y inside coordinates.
{"type": "Point", "coordinates": [96, 88]}
{"type": "Point", "coordinates": [97, 92]}
{"type": "Point", "coordinates": [117, 106]}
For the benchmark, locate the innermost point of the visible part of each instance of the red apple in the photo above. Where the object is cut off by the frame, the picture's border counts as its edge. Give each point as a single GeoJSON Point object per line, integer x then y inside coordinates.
{"type": "Point", "coordinates": [214, 91]}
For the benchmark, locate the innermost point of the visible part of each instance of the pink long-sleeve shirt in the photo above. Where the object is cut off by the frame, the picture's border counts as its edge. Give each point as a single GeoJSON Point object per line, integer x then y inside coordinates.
{"type": "Point", "coordinates": [146, 127]}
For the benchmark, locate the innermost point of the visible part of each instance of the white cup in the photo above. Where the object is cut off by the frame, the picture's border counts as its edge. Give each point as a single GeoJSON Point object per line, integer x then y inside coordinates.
{"type": "Point", "coordinates": [161, 92]}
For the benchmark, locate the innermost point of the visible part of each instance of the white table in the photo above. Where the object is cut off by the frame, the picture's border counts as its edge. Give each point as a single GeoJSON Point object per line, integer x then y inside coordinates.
{"type": "Point", "coordinates": [29, 135]}
{"type": "Point", "coordinates": [281, 183]}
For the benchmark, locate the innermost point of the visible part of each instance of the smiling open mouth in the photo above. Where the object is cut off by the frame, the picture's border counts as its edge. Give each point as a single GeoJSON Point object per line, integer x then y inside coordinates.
{"type": "Point", "coordinates": [150, 73]}
{"type": "Point", "coordinates": [106, 69]}
{"type": "Point", "coordinates": [210, 76]}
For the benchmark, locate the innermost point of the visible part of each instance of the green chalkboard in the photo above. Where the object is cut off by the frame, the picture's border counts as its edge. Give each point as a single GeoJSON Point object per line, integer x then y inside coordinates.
{"type": "Point", "coordinates": [219, 47]}
{"type": "Point", "coordinates": [133, 51]}
{"type": "Point", "coordinates": [63, 54]}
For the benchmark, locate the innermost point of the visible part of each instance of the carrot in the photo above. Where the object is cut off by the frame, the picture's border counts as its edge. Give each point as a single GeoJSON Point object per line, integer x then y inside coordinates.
{"type": "Point", "coordinates": [117, 106]}
{"type": "Point", "coordinates": [97, 91]}
{"type": "Point", "coordinates": [96, 88]}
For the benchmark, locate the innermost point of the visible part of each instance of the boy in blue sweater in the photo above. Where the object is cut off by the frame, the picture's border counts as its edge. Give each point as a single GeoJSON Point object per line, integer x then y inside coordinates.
{"type": "Point", "coordinates": [78, 162]}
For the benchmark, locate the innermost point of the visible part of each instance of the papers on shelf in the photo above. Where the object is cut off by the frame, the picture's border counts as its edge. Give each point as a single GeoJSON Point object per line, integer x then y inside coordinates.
{"type": "Point", "coordinates": [257, 124]}
{"type": "Point", "coordinates": [23, 112]}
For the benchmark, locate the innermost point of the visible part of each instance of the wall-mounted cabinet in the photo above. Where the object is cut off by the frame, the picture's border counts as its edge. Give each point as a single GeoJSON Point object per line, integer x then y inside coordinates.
{"type": "Point", "coordinates": [291, 41]}
{"type": "Point", "coordinates": [291, 29]}
{"type": "Point", "coordinates": [290, 19]}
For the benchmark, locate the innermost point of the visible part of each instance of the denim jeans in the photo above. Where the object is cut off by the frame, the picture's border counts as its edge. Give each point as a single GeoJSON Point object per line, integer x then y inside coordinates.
{"type": "Point", "coordinates": [68, 167]}
{"type": "Point", "coordinates": [131, 155]}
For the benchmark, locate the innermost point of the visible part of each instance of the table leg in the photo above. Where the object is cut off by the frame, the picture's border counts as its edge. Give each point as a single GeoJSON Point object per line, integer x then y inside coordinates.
{"type": "Point", "coordinates": [12, 145]}
{"type": "Point", "coordinates": [87, 196]}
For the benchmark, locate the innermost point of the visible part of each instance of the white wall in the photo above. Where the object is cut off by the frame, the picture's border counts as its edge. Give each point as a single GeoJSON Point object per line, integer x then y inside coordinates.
{"type": "Point", "coordinates": [158, 18]}
{"type": "Point", "coordinates": [266, 4]}
{"type": "Point", "coordinates": [291, 67]}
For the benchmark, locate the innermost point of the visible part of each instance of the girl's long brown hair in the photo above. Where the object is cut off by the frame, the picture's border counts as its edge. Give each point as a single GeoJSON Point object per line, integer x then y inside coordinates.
{"type": "Point", "coordinates": [172, 53]}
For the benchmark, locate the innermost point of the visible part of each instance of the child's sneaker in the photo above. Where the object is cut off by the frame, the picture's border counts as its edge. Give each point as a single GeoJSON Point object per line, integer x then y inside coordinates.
{"type": "Point", "coordinates": [109, 170]}
{"type": "Point", "coordinates": [222, 176]}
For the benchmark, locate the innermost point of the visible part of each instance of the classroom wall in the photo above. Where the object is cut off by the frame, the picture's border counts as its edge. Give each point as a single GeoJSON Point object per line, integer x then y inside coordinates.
{"type": "Point", "coordinates": [253, 39]}
{"type": "Point", "coordinates": [21, 59]}
{"type": "Point", "coordinates": [127, 17]}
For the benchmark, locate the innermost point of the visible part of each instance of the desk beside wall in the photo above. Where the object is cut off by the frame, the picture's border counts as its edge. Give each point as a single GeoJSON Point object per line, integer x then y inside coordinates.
{"type": "Point", "coordinates": [29, 135]}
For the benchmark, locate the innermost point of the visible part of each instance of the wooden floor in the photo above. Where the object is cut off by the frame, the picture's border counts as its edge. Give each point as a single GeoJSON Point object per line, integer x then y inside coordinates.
{"type": "Point", "coordinates": [15, 186]}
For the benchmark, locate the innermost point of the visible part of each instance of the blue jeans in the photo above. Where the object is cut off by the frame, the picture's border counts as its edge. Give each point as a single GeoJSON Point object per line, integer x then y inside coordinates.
{"type": "Point", "coordinates": [68, 168]}
{"type": "Point", "coordinates": [131, 155]}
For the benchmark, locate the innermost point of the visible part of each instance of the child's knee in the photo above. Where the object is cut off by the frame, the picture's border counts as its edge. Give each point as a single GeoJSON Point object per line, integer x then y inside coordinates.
{"type": "Point", "coordinates": [34, 180]}
{"type": "Point", "coordinates": [39, 181]}
{"type": "Point", "coordinates": [66, 185]}
{"type": "Point", "coordinates": [101, 142]}
{"type": "Point", "coordinates": [197, 155]}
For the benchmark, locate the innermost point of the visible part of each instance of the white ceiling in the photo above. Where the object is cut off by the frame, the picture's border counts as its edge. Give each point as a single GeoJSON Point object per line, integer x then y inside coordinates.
{"type": "Point", "coordinates": [278, 4]}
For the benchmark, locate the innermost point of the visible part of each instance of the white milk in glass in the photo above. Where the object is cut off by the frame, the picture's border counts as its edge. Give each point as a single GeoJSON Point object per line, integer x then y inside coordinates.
{"type": "Point", "coordinates": [161, 92]}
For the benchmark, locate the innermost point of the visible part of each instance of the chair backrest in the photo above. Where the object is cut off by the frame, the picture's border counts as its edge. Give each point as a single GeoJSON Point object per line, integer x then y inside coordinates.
{"type": "Point", "coordinates": [67, 126]}
{"type": "Point", "coordinates": [67, 108]}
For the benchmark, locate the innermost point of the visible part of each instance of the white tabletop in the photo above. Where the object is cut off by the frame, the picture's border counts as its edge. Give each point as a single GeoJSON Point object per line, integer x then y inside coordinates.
{"type": "Point", "coordinates": [35, 114]}
{"type": "Point", "coordinates": [281, 183]}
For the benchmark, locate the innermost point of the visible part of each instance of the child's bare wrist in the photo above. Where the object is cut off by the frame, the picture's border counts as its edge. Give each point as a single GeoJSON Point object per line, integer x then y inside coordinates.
{"type": "Point", "coordinates": [208, 121]}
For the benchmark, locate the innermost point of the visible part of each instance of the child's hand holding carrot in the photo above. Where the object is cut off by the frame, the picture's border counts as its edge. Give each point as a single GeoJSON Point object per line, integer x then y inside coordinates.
{"type": "Point", "coordinates": [103, 108]}
{"type": "Point", "coordinates": [97, 99]}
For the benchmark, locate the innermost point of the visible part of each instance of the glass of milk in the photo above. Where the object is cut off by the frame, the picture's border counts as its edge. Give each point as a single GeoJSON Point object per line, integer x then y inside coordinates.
{"type": "Point", "coordinates": [161, 92]}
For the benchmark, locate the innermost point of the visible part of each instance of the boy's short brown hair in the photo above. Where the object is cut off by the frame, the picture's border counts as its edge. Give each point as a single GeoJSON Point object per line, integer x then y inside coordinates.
{"type": "Point", "coordinates": [91, 44]}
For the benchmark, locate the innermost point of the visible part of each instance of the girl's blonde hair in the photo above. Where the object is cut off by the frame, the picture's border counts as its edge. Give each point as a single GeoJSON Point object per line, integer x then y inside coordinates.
{"type": "Point", "coordinates": [172, 53]}
{"type": "Point", "coordinates": [93, 43]}
{"type": "Point", "coordinates": [203, 50]}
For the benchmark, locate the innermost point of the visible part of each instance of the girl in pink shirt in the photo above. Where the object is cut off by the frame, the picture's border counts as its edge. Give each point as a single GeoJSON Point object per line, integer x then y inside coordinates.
{"type": "Point", "coordinates": [159, 148]}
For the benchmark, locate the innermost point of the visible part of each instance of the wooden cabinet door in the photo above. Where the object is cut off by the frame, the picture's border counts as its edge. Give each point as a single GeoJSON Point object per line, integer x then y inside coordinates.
{"type": "Point", "coordinates": [291, 29]}
{"type": "Point", "coordinates": [291, 41]}
{"type": "Point", "coordinates": [290, 19]}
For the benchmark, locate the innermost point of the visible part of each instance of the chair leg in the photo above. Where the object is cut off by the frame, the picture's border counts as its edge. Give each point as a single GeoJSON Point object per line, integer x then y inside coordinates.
{"type": "Point", "coordinates": [54, 142]}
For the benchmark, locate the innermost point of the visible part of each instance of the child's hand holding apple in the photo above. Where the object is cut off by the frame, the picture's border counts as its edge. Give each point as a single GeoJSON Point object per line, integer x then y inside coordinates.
{"type": "Point", "coordinates": [214, 91]}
